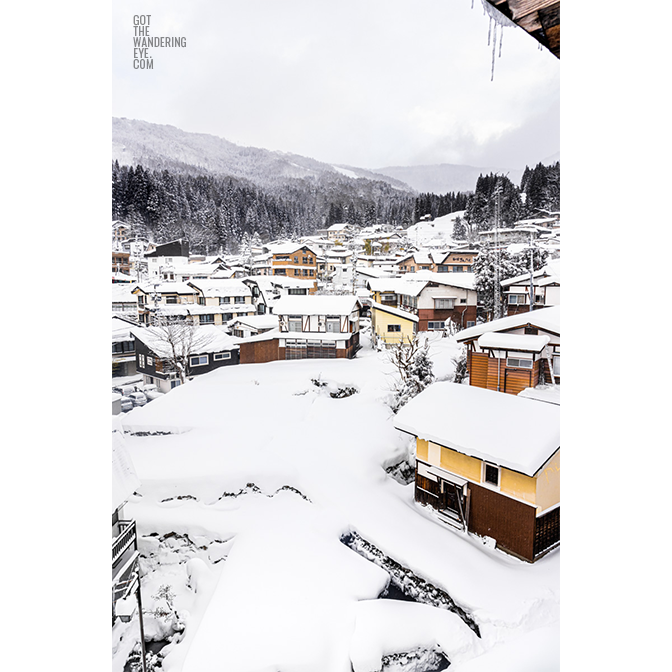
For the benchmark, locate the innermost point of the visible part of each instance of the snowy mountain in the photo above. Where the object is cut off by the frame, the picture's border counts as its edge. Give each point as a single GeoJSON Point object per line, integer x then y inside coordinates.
{"type": "Point", "coordinates": [444, 177]}
{"type": "Point", "coordinates": [161, 146]}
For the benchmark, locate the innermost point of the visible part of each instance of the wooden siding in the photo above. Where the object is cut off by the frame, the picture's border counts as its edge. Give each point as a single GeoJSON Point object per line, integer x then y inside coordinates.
{"type": "Point", "coordinates": [456, 314]}
{"type": "Point", "coordinates": [493, 374]}
{"type": "Point", "coordinates": [547, 531]}
{"type": "Point", "coordinates": [259, 352]}
{"type": "Point", "coordinates": [509, 522]}
{"type": "Point", "coordinates": [427, 491]}
{"type": "Point", "coordinates": [478, 368]}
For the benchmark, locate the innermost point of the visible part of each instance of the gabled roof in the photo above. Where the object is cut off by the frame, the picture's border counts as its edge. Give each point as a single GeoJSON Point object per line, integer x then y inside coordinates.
{"type": "Point", "coordinates": [520, 434]}
{"type": "Point", "coordinates": [165, 288]}
{"type": "Point", "coordinates": [208, 339]}
{"type": "Point", "coordinates": [461, 280]}
{"type": "Point", "coordinates": [216, 287]}
{"type": "Point", "coordinates": [289, 248]}
{"type": "Point", "coordinates": [315, 304]}
{"type": "Point", "coordinates": [397, 312]}
{"type": "Point", "coordinates": [547, 319]}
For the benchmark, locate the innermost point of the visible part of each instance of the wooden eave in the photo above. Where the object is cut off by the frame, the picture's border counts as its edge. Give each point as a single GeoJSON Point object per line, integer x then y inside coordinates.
{"type": "Point", "coordinates": [540, 18]}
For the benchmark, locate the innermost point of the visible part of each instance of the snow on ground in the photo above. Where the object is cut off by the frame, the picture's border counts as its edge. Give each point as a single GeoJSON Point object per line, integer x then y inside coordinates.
{"type": "Point", "coordinates": [437, 233]}
{"type": "Point", "coordinates": [262, 473]}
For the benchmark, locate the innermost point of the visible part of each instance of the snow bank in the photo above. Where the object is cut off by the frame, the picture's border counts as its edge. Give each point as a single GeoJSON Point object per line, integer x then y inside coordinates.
{"type": "Point", "coordinates": [389, 626]}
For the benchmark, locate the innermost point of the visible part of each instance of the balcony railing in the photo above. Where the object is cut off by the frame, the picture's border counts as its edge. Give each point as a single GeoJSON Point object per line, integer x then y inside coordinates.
{"type": "Point", "coordinates": [125, 540]}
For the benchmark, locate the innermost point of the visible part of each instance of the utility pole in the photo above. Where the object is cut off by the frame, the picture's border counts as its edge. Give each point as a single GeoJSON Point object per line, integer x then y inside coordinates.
{"type": "Point", "coordinates": [531, 273]}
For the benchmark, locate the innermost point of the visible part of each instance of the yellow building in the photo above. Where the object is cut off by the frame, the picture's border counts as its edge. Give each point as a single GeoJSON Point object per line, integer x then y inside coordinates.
{"type": "Point", "coordinates": [488, 463]}
{"type": "Point", "coordinates": [391, 326]}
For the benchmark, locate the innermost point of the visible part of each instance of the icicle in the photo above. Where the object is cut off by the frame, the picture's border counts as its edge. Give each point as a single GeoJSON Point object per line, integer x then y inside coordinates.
{"type": "Point", "coordinates": [498, 19]}
{"type": "Point", "coordinates": [494, 50]}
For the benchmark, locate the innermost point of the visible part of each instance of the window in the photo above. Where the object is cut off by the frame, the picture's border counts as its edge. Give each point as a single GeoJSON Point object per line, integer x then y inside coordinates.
{"type": "Point", "coordinates": [305, 271]}
{"type": "Point", "coordinates": [519, 363]}
{"type": "Point", "coordinates": [206, 319]}
{"type": "Point", "coordinates": [296, 260]}
{"type": "Point", "coordinates": [297, 291]}
{"type": "Point", "coordinates": [310, 272]}
{"type": "Point", "coordinates": [239, 299]}
{"type": "Point", "coordinates": [444, 304]}
{"type": "Point", "coordinates": [198, 360]}
{"type": "Point", "coordinates": [150, 360]}
{"type": "Point", "coordinates": [388, 298]}
{"type": "Point", "coordinates": [201, 300]}
{"type": "Point", "coordinates": [516, 299]}
{"type": "Point", "coordinates": [224, 299]}
{"type": "Point", "coordinates": [221, 355]}
{"type": "Point", "coordinates": [532, 331]}
{"type": "Point", "coordinates": [295, 323]}
{"type": "Point", "coordinates": [436, 325]}
{"type": "Point", "coordinates": [394, 327]}
{"type": "Point", "coordinates": [490, 474]}
{"type": "Point", "coordinates": [458, 269]}
{"type": "Point", "coordinates": [442, 268]}
{"type": "Point", "coordinates": [470, 323]}
{"type": "Point", "coordinates": [333, 324]}
{"type": "Point", "coordinates": [171, 299]}
{"type": "Point", "coordinates": [174, 383]}
{"type": "Point", "coordinates": [279, 271]}
{"type": "Point", "coordinates": [141, 361]}
{"type": "Point", "coordinates": [306, 260]}
{"type": "Point", "coordinates": [141, 300]}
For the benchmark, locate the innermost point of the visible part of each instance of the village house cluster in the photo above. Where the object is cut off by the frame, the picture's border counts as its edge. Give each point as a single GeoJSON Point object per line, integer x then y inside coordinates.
{"type": "Point", "coordinates": [177, 315]}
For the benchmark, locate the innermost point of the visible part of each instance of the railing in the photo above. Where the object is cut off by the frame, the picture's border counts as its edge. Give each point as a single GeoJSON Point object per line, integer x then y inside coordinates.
{"type": "Point", "coordinates": [125, 540]}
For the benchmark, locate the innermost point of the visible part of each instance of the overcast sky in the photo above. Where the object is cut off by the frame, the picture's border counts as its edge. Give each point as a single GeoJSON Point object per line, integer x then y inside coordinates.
{"type": "Point", "coordinates": [369, 83]}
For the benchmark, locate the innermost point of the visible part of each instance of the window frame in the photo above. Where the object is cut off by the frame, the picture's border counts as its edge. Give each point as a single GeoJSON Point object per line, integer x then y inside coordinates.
{"type": "Point", "coordinates": [198, 357]}
{"type": "Point", "coordinates": [484, 473]}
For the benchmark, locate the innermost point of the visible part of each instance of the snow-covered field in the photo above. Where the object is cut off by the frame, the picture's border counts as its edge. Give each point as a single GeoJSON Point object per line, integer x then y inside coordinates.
{"type": "Point", "coordinates": [252, 474]}
{"type": "Point", "coordinates": [437, 233]}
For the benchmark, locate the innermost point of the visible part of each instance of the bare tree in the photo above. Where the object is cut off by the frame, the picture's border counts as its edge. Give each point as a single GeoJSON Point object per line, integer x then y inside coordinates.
{"type": "Point", "coordinates": [176, 341]}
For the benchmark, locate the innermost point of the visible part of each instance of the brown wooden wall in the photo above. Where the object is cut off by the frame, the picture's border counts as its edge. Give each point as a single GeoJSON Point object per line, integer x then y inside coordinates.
{"type": "Point", "coordinates": [259, 352]}
{"type": "Point", "coordinates": [483, 373]}
{"type": "Point", "coordinates": [427, 491]}
{"type": "Point", "coordinates": [477, 363]}
{"type": "Point", "coordinates": [426, 315]}
{"type": "Point", "coordinates": [547, 531]}
{"type": "Point", "coordinates": [509, 522]}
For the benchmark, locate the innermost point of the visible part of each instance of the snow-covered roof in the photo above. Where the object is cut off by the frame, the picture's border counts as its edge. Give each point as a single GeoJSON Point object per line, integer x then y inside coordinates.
{"type": "Point", "coordinates": [395, 311]}
{"type": "Point", "coordinates": [167, 287]}
{"type": "Point", "coordinates": [461, 280]}
{"type": "Point", "coordinates": [397, 285]}
{"type": "Point", "coordinates": [315, 304]}
{"type": "Point", "coordinates": [208, 338]}
{"type": "Point", "coordinates": [545, 275]}
{"type": "Point", "coordinates": [289, 248]}
{"type": "Point", "coordinates": [520, 434]}
{"type": "Point", "coordinates": [221, 287]}
{"type": "Point", "coordinates": [520, 342]}
{"type": "Point", "coordinates": [196, 309]}
{"type": "Point", "coordinates": [549, 394]}
{"type": "Point", "coordinates": [267, 321]}
{"type": "Point", "coordinates": [121, 329]}
{"type": "Point", "coordinates": [543, 318]}
{"type": "Point", "coordinates": [122, 292]}
{"type": "Point", "coordinates": [124, 479]}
